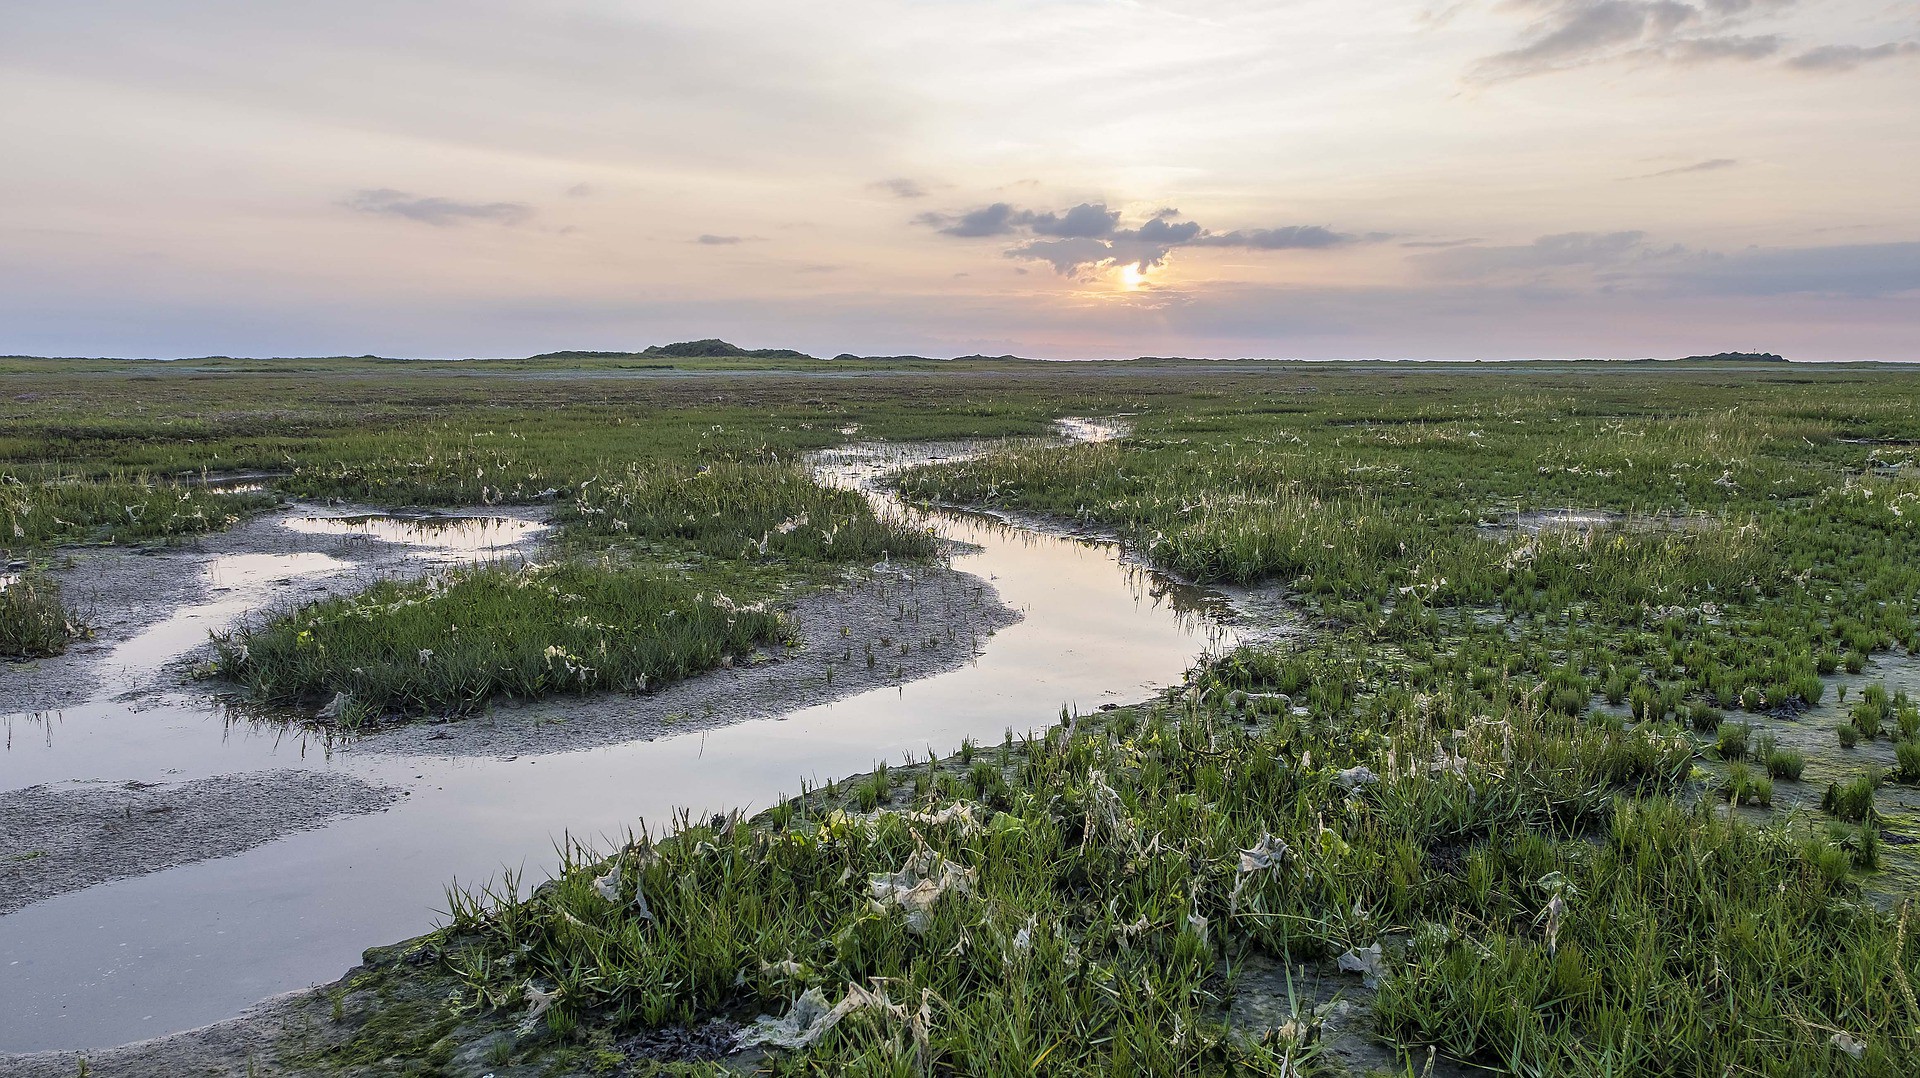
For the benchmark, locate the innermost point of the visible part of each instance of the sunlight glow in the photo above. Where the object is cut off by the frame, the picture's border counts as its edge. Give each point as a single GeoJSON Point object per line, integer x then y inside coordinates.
{"type": "Point", "coordinates": [1131, 277]}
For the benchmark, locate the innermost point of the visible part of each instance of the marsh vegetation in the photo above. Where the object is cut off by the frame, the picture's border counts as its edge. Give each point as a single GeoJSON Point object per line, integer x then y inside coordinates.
{"type": "Point", "coordinates": [1597, 755]}
{"type": "Point", "coordinates": [34, 621]}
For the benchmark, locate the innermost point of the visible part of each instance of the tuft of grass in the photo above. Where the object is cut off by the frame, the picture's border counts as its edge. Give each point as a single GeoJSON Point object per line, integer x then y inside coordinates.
{"type": "Point", "coordinates": [1786, 764]}
{"type": "Point", "coordinates": [1744, 786]}
{"type": "Point", "coordinates": [34, 623]}
{"type": "Point", "coordinates": [1851, 800]}
{"type": "Point", "coordinates": [1731, 743]}
{"type": "Point", "coordinates": [451, 642]}
{"type": "Point", "coordinates": [1871, 714]}
{"type": "Point", "coordinates": [1907, 754]}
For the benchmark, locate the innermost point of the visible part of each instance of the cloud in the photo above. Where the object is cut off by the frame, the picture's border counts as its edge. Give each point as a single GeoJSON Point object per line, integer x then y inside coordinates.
{"type": "Point", "coordinates": [1087, 236]}
{"type": "Point", "coordinates": [1002, 219]}
{"type": "Point", "coordinates": [899, 187]}
{"type": "Point", "coordinates": [1566, 34]}
{"type": "Point", "coordinates": [1724, 47]}
{"type": "Point", "coordinates": [1848, 57]}
{"type": "Point", "coordinates": [1855, 270]}
{"type": "Point", "coordinates": [1714, 165]}
{"type": "Point", "coordinates": [434, 210]}
{"type": "Point", "coordinates": [1582, 250]}
{"type": "Point", "coordinates": [1290, 238]}
{"type": "Point", "coordinates": [1089, 219]}
{"type": "Point", "coordinates": [994, 220]}
{"type": "Point", "coordinates": [1069, 257]}
{"type": "Point", "coordinates": [708, 239]}
{"type": "Point", "coordinates": [1629, 262]}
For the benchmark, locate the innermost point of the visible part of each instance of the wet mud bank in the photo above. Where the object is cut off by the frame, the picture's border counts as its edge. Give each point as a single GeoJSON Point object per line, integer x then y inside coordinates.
{"type": "Point", "coordinates": [57, 839]}
{"type": "Point", "coordinates": [878, 628]}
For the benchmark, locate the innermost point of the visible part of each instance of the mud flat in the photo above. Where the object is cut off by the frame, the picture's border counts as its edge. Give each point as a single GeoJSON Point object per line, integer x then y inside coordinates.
{"type": "Point", "coordinates": [56, 839]}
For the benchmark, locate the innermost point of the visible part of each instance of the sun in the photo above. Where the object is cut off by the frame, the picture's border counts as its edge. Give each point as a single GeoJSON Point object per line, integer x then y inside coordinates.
{"type": "Point", "coordinates": [1131, 277]}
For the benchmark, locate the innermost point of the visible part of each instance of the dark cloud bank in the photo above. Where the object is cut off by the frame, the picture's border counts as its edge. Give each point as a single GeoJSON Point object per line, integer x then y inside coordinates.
{"type": "Point", "coordinates": [1630, 261]}
{"type": "Point", "coordinates": [1089, 235]}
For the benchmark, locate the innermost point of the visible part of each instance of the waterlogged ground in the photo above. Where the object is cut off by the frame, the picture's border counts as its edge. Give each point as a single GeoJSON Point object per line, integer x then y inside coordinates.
{"type": "Point", "coordinates": [1058, 621]}
{"type": "Point", "coordinates": [1433, 807]}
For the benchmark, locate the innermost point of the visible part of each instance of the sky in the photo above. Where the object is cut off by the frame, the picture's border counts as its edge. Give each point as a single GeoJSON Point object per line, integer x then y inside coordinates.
{"type": "Point", "coordinates": [1052, 178]}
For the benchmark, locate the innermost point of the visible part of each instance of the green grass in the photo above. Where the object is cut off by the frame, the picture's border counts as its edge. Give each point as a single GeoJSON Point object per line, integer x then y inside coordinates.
{"type": "Point", "coordinates": [740, 509]}
{"type": "Point", "coordinates": [1106, 903]}
{"type": "Point", "coordinates": [451, 642]}
{"type": "Point", "coordinates": [38, 509]}
{"type": "Point", "coordinates": [1907, 753]}
{"type": "Point", "coordinates": [34, 623]}
{"type": "Point", "coordinates": [1786, 764]}
{"type": "Point", "coordinates": [1558, 890]}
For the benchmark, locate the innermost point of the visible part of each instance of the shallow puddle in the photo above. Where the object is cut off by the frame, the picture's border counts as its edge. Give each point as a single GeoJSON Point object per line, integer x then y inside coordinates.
{"type": "Point", "coordinates": [189, 945]}
{"type": "Point", "coordinates": [455, 538]}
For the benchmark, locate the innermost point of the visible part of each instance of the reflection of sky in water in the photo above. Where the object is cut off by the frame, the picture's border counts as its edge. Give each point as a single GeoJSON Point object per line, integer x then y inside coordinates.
{"type": "Point", "coordinates": [179, 948]}
{"type": "Point", "coordinates": [453, 538]}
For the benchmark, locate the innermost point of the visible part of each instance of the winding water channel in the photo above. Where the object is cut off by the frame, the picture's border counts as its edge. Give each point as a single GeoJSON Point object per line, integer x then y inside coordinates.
{"type": "Point", "coordinates": [181, 947]}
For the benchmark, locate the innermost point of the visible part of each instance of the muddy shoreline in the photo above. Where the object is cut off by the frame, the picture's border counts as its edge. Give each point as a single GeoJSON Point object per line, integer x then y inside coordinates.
{"type": "Point", "coordinates": [57, 839]}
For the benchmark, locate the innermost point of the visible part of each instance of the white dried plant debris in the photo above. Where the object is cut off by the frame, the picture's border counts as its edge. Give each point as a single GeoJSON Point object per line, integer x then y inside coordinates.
{"type": "Point", "coordinates": [1023, 939]}
{"type": "Point", "coordinates": [1197, 925]}
{"type": "Point", "coordinates": [538, 1002]}
{"type": "Point", "coordinates": [809, 1018]}
{"type": "Point", "coordinates": [1107, 809]}
{"type": "Point", "coordinates": [1846, 1042]}
{"type": "Point", "coordinates": [1268, 853]}
{"type": "Point", "coordinates": [959, 812]}
{"type": "Point", "coordinates": [786, 968]}
{"type": "Point", "coordinates": [1558, 889]}
{"type": "Point", "coordinates": [1365, 961]}
{"type": "Point", "coordinates": [608, 886]}
{"type": "Point", "coordinates": [918, 886]}
{"type": "Point", "coordinates": [1447, 763]}
{"type": "Point", "coordinates": [803, 1024]}
{"type": "Point", "coordinates": [640, 908]}
{"type": "Point", "coordinates": [1353, 778]}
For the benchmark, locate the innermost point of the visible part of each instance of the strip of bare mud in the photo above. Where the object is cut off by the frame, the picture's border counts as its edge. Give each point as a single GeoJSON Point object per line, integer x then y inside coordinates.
{"type": "Point", "coordinates": [56, 839]}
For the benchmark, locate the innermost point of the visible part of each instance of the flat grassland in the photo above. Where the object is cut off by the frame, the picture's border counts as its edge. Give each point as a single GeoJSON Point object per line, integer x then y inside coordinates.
{"type": "Point", "coordinates": [1596, 757]}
